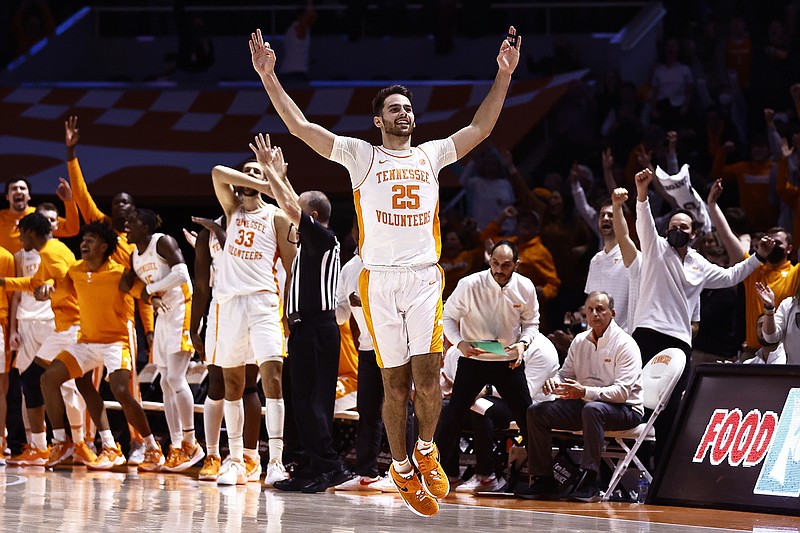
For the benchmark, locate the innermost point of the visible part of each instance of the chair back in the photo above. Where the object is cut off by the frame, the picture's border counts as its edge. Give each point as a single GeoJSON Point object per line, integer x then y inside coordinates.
{"type": "Point", "coordinates": [660, 375]}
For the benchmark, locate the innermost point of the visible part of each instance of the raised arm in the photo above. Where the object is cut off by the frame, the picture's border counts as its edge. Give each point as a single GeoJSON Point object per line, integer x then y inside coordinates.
{"type": "Point", "coordinates": [729, 239]}
{"type": "Point", "coordinates": [274, 167]}
{"type": "Point", "coordinates": [263, 59]}
{"type": "Point", "coordinates": [486, 116]}
{"type": "Point", "coordinates": [70, 225]}
{"type": "Point", "coordinates": [225, 179]}
{"type": "Point", "coordinates": [626, 245]}
{"type": "Point", "coordinates": [80, 192]}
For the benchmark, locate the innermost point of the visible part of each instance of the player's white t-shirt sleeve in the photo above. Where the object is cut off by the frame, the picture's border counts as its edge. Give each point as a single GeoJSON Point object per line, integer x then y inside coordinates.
{"type": "Point", "coordinates": [353, 154]}
{"type": "Point", "coordinates": [440, 152]}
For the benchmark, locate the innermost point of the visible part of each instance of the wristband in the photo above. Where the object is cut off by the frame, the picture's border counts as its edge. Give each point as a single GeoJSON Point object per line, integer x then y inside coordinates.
{"type": "Point", "coordinates": [760, 258]}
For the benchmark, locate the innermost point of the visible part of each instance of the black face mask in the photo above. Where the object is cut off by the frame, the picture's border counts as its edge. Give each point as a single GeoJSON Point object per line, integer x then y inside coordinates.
{"type": "Point", "coordinates": [777, 255]}
{"type": "Point", "coordinates": [677, 238]}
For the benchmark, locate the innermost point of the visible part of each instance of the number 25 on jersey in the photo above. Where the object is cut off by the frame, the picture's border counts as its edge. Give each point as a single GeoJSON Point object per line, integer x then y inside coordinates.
{"type": "Point", "coordinates": [405, 197]}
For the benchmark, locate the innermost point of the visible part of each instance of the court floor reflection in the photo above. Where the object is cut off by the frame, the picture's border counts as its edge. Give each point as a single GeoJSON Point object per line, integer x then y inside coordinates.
{"type": "Point", "coordinates": [74, 500]}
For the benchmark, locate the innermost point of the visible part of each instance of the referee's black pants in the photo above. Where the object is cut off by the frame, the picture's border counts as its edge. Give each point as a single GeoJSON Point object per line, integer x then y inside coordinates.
{"type": "Point", "coordinates": [313, 365]}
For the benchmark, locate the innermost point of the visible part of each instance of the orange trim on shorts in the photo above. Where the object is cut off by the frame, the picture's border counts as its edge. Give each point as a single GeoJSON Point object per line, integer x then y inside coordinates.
{"type": "Point", "coordinates": [186, 327]}
{"type": "Point", "coordinates": [359, 218]}
{"type": "Point", "coordinates": [216, 337]}
{"type": "Point", "coordinates": [125, 362]}
{"type": "Point", "coordinates": [71, 363]}
{"type": "Point", "coordinates": [437, 340]}
{"type": "Point", "coordinates": [363, 290]}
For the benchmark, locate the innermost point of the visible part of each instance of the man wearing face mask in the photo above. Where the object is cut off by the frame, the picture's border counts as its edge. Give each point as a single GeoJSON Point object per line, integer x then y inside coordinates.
{"type": "Point", "coordinates": [672, 277]}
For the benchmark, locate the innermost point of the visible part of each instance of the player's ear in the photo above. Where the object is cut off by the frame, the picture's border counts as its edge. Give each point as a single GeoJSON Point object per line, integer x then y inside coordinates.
{"type": "Point", "coordinates": [377, 121]}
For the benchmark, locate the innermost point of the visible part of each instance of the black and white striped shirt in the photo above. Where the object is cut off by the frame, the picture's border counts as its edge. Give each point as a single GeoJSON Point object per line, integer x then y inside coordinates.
{"type": "Point", "coordinates": [315, 270]}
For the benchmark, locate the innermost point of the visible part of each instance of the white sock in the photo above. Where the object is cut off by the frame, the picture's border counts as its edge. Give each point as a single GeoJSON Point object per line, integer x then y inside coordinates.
{"type": "Point", "coordinates": [39, 440]}
{"type": "Point", "coordinates": [212, 421]}
{"type": "Point", "coordinates": [75, 407]}
{"type": "Point", "coordinates": [403, 467]}
{"type": "Point", "coordinates": [252, 454]}
{"type": "Point", "coordinates": [276, 413]}
{"type": "Point", "coordinates": [170, 409]}
{"type": "Point", "coordinates": [234, 422]}
{"type": "Point", "coordinates": [183, 401]}
{"type": "Point", "coordinates": [425, 447]}
{"type": "Point", "coordinates": [77, 433]}
{"type": "Point", "coordinates": [150, 442]}
{"type": "Point", "coordinates": [108, 438]}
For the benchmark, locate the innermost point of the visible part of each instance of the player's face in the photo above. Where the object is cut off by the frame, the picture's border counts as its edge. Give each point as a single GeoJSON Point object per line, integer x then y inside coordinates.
{"type": "Point", "coordinates": [397, 116]}
{"type": "Point", "coordinates": [254, 171]}
{"type": "Point", "coordinates": [18, 195]}
{"type": "Point", "coordinates": [121, 206]}
{"type": "Point", "coordinates": [136, 230]}
{"type": "Point", "coordinates": [605, 220]}
{"type": "Point", "coordinates": [52, 217]}
{"type": "Point", "coordinates": [503, 265]}
{"type": "Point", "coordinates": [92, 247]}
{"type": "Point", "coordinates": [598, 313]}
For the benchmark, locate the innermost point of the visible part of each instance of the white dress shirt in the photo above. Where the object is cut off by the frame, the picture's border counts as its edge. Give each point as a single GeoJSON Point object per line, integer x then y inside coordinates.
{"type": "Point", "coordinates": [480, 309]}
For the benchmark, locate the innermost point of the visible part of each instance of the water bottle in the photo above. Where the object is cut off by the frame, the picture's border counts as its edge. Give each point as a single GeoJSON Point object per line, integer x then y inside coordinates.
{"type": "Point", "coordinates": [642, 487]}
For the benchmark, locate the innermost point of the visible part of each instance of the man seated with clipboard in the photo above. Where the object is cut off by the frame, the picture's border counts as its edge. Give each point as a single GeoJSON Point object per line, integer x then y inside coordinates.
{"type": "Point", "coordinates": [492, 317]}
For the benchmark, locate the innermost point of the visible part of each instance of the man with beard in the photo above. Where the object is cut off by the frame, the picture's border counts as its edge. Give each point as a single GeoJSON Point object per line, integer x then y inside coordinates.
{"type": "Point", "coordinates": [501, 305]}
{"type": "Point", "coordinates": [396, 193]}
{"type": "Point", "coordinates": [249, 309]}
{"type": "Point", "coordinates": [778, 273]}
{"type": "Point", "coordinates": [671, 279]}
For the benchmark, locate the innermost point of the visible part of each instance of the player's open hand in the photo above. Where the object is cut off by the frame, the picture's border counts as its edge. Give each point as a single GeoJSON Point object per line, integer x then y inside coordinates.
{"type": "Point", "coordinates": [261, 54]}
{"type": "Point", "coordinates": [508, 58]}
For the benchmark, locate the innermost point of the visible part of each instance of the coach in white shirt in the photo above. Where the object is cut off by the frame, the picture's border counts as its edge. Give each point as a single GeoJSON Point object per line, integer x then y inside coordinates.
{"type": "Point", "coordinates": [671, 279]}
{"type": "Point", "coordinates": [599, 388]}
{"type": "Point", "coordinates": [495, 304]}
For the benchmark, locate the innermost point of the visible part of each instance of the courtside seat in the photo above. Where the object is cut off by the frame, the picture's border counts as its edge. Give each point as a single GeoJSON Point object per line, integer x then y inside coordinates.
{"type": "Point", "coordinates": [659, 377]}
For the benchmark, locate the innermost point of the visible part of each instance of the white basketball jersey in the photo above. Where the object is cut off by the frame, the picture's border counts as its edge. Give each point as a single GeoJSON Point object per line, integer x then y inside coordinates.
{"type": "Point", "coordinates": [248, 262]}
{"type": "Point", "coordinates": [396, 195]}
{"type": "Point", "coordinates": [29, 307]}
{"type": "Point", "coordinates": [151, 267]}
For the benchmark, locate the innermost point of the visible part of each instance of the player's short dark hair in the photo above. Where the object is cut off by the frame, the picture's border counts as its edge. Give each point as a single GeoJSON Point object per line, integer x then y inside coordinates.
{"type": "Point", "coordinates": [148, 217]}
{"type": "Point", "coordinates": [36, 223]}
{"type": "Point", "coordinates": [18, 177]}
{"type": "Point", "coordinates": [386, 92]}
{"type": "Point", "coordinates": [105, 233]}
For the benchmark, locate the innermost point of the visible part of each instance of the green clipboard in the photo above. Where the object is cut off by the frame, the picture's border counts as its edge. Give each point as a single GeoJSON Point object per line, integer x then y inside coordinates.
{"type": "Point", "coordinates": [493, 347]}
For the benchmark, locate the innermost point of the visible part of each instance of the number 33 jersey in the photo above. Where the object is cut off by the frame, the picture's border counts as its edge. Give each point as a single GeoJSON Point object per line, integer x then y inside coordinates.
{"type": "Point", "coordinates": [247, 263]}
{"type": "Point", "coordinates": [396, 196]}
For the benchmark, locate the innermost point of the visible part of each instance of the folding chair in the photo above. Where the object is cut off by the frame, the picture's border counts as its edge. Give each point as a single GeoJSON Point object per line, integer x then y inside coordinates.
{"type": "Point", "coordinates": [659, 377]}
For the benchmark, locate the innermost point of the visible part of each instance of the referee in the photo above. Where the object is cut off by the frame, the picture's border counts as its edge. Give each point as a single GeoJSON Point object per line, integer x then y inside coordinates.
{"type": "Point", "coordinates": [313, 360]}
